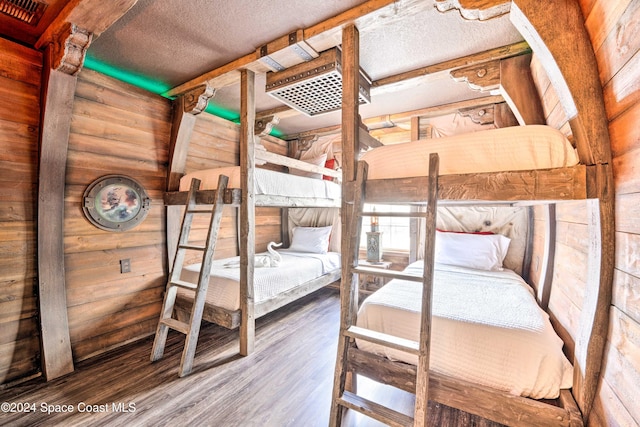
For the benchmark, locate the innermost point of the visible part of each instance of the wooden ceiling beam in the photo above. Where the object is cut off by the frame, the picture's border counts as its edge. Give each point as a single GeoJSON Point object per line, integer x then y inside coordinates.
{"type": "Point", "coordinates": [464, 61]}
{"type": "Point", "coordinates": [476, 9]}
{"type": "Point", "coordinates": [435, 111]}
{"type": "Point", "coordinates": [94, 16]}
{"type": "Point", "coordinates": [321, 36]}
{"type": "Point", "coordinates": [390, 120]}
{"type": "Point", "coordinates": [479, 58]}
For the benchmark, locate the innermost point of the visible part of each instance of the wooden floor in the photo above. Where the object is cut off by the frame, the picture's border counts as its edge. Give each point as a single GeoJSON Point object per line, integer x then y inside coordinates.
{"type": "Point", "coordinates": [287, 381]}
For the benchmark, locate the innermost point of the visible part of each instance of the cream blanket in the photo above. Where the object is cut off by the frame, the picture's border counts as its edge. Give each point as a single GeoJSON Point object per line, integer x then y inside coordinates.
{"type": "Point", "coordinates": [487, 328]}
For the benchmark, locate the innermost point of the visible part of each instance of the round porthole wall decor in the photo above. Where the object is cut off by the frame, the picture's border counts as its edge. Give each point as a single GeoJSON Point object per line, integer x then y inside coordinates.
{"type": "Point", "coordinates": [115, 203]}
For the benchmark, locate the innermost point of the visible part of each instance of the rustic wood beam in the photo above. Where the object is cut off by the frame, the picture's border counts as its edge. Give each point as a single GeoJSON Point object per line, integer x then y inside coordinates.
{"type": "Point", "coordinates": [484, 77]}
{"type": "Point", "coordinates": [379, 85]}
{"type": "Point", "coordinates": [536, 185]}
{"type": "Point", "coordinates": [548, 259]}
{"type": "Point", "coordinates": [391, 120]}
{"type": "Point", "coordinates": [519, 90]}
{"type": "Point", "coordinates": [475, 9]}
{"type": "Point", "coordinates": [58, 95]}
{"type": "Point", "coordinates": [503, 116]}
{"type": "Point", "coordinates": [95, 16]}
{"type": "Point", "coordinates": [264, 125]}
{"type": "Point", "coordinates": [365, 139]}
{"type": "Point", "coordinates": [557, 34]}
{"type": "Point", "coordinates": [481, 115]}
{"type": "Point", "coordinates": [464, 61]}
{"type": "Point", "coordinates": [350, 148]}
{"type": "Point", "coordinates": [197, 99]}
{"type": "Point", "coordinates": [68, 49]}
{"type": "Point", "coordinates": [435, 111]}
{"type": "Point", "coordinates": [320, 37]}
{"type": "Point", "coordinates": [247, 211]}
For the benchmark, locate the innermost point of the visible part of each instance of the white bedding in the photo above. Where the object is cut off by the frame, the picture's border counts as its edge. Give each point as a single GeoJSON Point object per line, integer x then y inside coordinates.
{"type": "Point", "coordinates": [295, 269]}
{"type": "Point", "coordinates": [507, 149]}
{"type": "Point", "coordinates": [487, 328]}
{"type": "Point", "coordinates": [267, 182]}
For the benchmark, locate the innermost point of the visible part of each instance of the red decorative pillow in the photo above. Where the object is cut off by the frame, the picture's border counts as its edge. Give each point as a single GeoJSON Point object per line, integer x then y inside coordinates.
{"type": "Point", "coordinates": [484, 233]}
{"type": "Point", "coordinates": [330, 164]}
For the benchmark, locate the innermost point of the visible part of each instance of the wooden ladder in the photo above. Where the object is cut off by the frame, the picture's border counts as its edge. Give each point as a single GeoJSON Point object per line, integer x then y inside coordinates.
{"type": "Point", "coordinates": [349, 332]}
{"type": "Point", "coordinates": [191, 329]}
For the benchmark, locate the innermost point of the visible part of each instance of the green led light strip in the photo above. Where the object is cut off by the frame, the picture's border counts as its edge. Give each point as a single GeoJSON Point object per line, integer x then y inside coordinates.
{"type": "Point", "coordinates": [158, 88]}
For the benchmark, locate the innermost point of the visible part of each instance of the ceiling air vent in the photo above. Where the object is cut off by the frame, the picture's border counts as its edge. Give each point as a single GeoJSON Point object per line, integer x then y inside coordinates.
{"type": "Point", "coordinates": [27, 11]}
{"type": "Point", "coordinates": [315, 87]}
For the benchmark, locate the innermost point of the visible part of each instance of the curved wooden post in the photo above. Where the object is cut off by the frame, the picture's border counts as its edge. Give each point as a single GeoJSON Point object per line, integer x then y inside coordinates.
{"type": "Point", "coordinates": [63, 59]}
{"type": "Point", "coordinates": [185, 109]}
{"type": "Point", "coordinates": [556, 33]}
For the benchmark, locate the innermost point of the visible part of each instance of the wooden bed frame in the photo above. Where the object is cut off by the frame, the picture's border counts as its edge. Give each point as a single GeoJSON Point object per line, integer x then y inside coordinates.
{"type": "Point", "coordinates": [581, 96]}
{"type": "Point", "coordinates": [251, 154]}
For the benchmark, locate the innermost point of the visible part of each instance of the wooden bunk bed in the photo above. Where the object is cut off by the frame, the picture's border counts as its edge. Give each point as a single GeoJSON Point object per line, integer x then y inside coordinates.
{"type": "Point", "coordinates": [552, 174]}
{"type": "Point", "coordinates": [247, 191]}
{"type": "Point", "coordinates": [577, 84]}
{"type": "Point", "coordinates": [298, 274]}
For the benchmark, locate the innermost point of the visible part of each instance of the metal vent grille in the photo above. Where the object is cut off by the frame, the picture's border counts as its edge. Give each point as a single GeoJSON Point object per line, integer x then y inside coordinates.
{"type": "Point", "coordinates": [27, 11]}
{"type": "Point", "coordinates": [314, 87]}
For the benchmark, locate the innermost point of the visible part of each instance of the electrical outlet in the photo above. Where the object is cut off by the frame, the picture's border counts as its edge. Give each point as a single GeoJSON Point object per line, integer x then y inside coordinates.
{"type": "Point", "coordinates": [125, 265]}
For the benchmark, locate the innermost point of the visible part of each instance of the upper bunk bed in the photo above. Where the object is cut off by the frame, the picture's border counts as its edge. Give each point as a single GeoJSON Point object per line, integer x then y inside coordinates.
{"type": "Point", "coordinates": [304, 186]}
{"type": "Point", "coordinates": [519, 163]}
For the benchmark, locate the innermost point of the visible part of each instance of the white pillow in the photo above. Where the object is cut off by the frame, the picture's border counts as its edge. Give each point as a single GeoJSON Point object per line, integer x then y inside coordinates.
{"type": "Point", "coordinates": [318, 161]}
{"type": "Point", "coordinates": [311, 239]}
{"type": "Point", "coordinates": [480, 251]}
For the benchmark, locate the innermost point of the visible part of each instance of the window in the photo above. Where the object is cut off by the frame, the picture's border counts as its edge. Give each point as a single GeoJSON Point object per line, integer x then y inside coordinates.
{"type": "Point", "coordinates": [395, 231]}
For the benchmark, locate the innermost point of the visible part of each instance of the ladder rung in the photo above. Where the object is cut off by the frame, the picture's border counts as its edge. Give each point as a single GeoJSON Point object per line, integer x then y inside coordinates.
{"type": "Point", "coordinates": [386, 340]}
{"type": "Point", "coordinates": [374, 410]}
{"type": "Point", "coordinates": [396, 214]}
{"type": "Point", "coordinates": [391, 274]}
{"type": "Point", "coordinates": [183, 284]}
{"type": "Point", "coordinates": [176, 325]}
{"type": "Point", "coordinates": [192, 247]}
{"type": "Point", "coordinates": [199, 211]}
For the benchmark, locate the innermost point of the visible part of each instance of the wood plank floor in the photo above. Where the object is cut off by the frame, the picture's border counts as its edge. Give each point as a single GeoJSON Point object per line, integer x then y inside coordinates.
{"type": "Point", "coordinates": [287, 381]}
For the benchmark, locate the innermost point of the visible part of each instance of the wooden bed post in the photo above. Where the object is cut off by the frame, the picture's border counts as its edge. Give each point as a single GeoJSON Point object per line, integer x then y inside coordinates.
{"type": "Point", "coordinates": [557, 34]}
{"type": "Point", "coordinates": [247, 210]}
{"type": "Point", "coordinates": [546, 270]}
{"type": "Point", "coordinates": [350, 144]}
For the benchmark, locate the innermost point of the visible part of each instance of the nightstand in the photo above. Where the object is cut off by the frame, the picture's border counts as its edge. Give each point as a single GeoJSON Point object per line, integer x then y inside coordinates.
{"type": "Point", "coordinates": [368, 283]}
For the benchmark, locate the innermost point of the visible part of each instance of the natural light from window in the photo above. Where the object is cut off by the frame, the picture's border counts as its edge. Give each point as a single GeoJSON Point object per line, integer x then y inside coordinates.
{"type": "Point", "coordinates": [395, 231]}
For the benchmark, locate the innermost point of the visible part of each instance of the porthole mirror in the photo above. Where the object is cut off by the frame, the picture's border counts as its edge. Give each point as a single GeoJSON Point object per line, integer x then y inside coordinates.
{"type": "Point", "coordinates": [115, 203]}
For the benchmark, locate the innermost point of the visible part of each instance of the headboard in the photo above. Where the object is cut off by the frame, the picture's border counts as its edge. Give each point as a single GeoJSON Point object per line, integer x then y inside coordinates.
{"type": "Point", "coordinates": [509, 221]}
{"type": "Point", "coordinates": [316, 217]}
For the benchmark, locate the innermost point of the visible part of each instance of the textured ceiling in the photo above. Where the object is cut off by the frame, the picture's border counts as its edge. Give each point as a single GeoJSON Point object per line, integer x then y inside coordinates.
{"type": "Point", "coordinates": [175, 41]}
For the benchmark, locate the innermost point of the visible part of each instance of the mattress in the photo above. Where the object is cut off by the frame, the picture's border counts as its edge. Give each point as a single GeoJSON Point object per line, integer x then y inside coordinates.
{"type": "Point", "coordinates": [486, 328]}
{"type": "Point", "coordinates": [507, 149]}
{"type": "Point", "coordinates": [295, 269]}
{"type": "Point", "coordinates": [266, 182]}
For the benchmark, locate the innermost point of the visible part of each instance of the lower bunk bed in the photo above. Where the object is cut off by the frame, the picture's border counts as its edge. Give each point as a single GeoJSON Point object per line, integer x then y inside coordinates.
{"type": "Point", "coordinates": [493, 351]}
{"type": "Point", "coordinates": [296, 275]}
{"type": "Point", "coordinates": [280, 276]}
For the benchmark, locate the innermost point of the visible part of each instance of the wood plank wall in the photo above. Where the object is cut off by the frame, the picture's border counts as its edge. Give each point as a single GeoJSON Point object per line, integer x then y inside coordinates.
{"type": "Point", "coordinates": [215, 142]}
{"type": "Point", "coordinates": [20, 75]}
{"type": "Point", "coordinates": [613, 26]}
{"type": "Point", "coordinates": [115, 129]}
